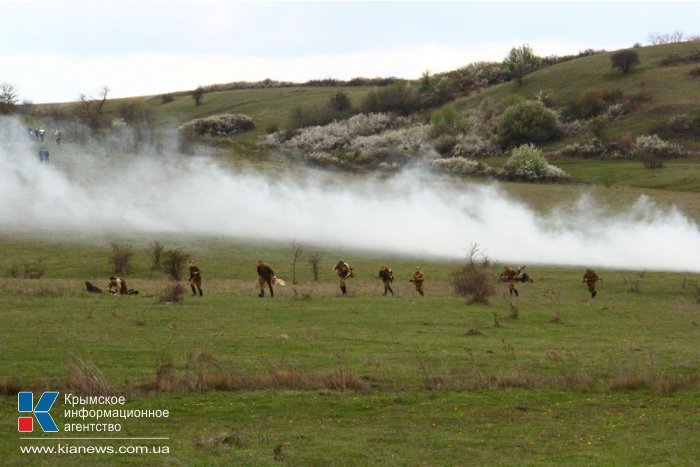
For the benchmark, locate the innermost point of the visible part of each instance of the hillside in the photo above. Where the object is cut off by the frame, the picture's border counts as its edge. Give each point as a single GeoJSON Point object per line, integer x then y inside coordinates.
{"type": "Point", "coordinates": [650, 94]}
{"type": "Point", "coordinates": [671, 90]}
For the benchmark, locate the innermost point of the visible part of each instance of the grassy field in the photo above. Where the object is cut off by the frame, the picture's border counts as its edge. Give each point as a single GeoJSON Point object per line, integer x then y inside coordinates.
{"type": "Point", "coordinates": [313, 378]}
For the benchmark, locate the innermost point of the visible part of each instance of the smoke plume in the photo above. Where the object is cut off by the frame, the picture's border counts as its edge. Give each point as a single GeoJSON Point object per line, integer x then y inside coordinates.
{"type": "Point", "coordinates": [410, 213]}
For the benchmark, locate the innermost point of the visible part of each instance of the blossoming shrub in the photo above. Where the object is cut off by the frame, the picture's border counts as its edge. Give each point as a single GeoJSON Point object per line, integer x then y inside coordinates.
{"type": "Point", "coordinates": [474, 146]}
{"type": "Point", "coordinates": [461, 166]}
{"type": "Point", "coordinates": [657, 147]}
{"type": "Point", "coordinates": [218, 125]}
{"type": "Point", "coordinates": [528, 163]}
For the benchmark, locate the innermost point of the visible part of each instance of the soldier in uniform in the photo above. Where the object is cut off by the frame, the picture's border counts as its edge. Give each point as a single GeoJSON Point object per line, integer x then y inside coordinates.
{"type": "Point", "coordinates": [417, 280]}
{"type": "Point", "coordinates": [590, 278]}
{"type": "Point", "coordinates": [265, 276]}
{"type": "Point", "coordinates": [92, 288]}
{"type": "Point", "coordinates": [345, 272]}
{"type": "Point", "coordinates": [510, 275]}
{"type": "Point", "coordinates": [387, 277]}
{"type": "Point", "coordinates": [117, 285]}
{"type": "Point", "coordinates": [195, 278]}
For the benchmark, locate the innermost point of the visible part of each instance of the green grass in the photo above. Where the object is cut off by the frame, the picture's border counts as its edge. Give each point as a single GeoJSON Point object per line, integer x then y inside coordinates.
{"type": "Point", "coordinates": [604, 385]}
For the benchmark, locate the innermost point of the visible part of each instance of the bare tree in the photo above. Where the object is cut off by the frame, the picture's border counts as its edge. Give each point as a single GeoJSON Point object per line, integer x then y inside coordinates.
{"type": "Point", "coordinates": [315, 261]}
{"type": "Point", "coordinates": [474, 280]}
{"type": "Point", "coordinates": [294, 254]}
{"type": "Point", "coordinates": [91, 110]}
{"type": "Point", "coordinates": [8, 98]}
{"type": "Point", "coordinates": [656, 38]}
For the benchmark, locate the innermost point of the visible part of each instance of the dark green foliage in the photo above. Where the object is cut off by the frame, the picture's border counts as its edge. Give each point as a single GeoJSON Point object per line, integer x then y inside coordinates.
{"type": "Point", "coordinates": [591, 103]}
{"type": "Point", "coordinates": [340, 102]}
{"type": "Point", "coordinates": [444, 144]}
{"type": "Point", "coordinates": [398, 98]}
{"type": "Point", "coordinates": [527, 122]}
{"type": "Point", "coordinates": [337, 107]}
{"type": "Point", "coordinates": [624, 59]}
{"type": "Point", "coordinates": [8, 98]}
{"type": "Point", "coordinates": [678, 125]}
{"type": "Point", "coordinates": [678, 59]}
{"type": "Point", "coordinates": [521, 60]}
{"type": "Point", "coordinates": [166, 99]}
{"type": "Point", "coordinates": [198, 95]}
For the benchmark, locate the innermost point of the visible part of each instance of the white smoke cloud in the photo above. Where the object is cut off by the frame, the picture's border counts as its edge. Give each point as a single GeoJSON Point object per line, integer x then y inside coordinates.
{"type": "Point", "coordinates": [410, 213]}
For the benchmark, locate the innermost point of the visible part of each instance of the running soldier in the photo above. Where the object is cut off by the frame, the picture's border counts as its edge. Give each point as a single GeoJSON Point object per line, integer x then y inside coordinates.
{"type": "Point", "coordinates": [265, 276]}
{"type": "Point", "coordinates": [417, 280]}
{"type": "Point", "coordinates": [345, 272]}
{"type": "Point", "coordinates": [590, 278]}
{"type": "Point", "coordinates": [195, 278]}
{"type": "Point", "coordinates": [510, 275]}
{"type": "Point", "coordinates": [387, 277]}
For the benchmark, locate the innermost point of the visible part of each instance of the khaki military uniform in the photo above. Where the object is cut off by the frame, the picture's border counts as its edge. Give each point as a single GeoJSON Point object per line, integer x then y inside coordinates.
{"type": "Point", "coordinates": [510, 275]}
{"type": "Point", "coordinates": [418, 278]}
{"type": "Point", "coordinates": [591, 278]}
{"type": "Point", "coordinates": [195, 279]}
{"type": "Point", "coordinates": [265, 276]}
{"type": "Point", "coordinates": [344, 272]}
{"type": "Point", "coordinates": [387, 277]}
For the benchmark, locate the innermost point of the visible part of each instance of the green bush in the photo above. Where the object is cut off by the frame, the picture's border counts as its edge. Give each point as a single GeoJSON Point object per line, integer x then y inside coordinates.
{"type": "Point", "coordinates": [591, 103]}
{"type": "Point", "coordinates": [527, 122]}
{"type": "Point", "coordinates": [398, 98]}
{"type": "Point", "coordinates": [624, 59]}
{"type": "Point", "coordinates": [447, 121]}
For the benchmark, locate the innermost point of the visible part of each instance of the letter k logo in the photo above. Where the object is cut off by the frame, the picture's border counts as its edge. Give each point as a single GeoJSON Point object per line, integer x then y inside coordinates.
{"type": "Point", "coordinates": [25, 403]}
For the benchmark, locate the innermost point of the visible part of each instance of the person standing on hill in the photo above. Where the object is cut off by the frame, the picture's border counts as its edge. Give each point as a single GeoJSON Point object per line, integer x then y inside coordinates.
{"type": "Point", "coordinates": [387, 277]}
{"type": "Point", "coordinates": [57, 135]}
{"type": "Point", "coordinates": [417, 280]}
{"type": "Point", "coordinates": [344, 272]}
{"type": "Point", "coordinates": [195, 278]}
{"type": "Point", "coordinates": [591, 278]}
{"type": "Point", "coordinates": [265, 276]}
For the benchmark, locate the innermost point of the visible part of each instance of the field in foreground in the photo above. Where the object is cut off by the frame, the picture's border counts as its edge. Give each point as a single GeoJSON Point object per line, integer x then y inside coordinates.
{"type": "Point", "coordinates": [312, 378]}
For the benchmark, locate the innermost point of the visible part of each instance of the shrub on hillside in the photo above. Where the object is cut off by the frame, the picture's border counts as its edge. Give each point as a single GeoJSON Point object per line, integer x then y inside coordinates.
{"type": "Point", "coordinates": [398, 97]}
{"type": "Point", "coordinates": [528, 163]}
{"type": "Point", "coordinates": [218, 125]}
{"type": "Point", "coordinates": [652, 145]}
{"type": "Point", "coordinates": [527, 122]}
{"type": "Point", "coordinates": [411, 140]}
{"type": "Point", "coordinates": [595, 148]}
{"type": "Point", "coordinates": [461, 166]}
{"type": "Point", "coordinates": [591, 103]}
{"type": "Point", "coordinates": [624, 59]}
{"type": "Point", "coordinates": [447, 121]}
{"type": "Point", "coordinates": [473, 146]}
{"type": "Point", "coordinates": [444, 144]}
{"type": "Point", "coordinates": [678, 59]}
{"type": "Point", "coordinates": [337, 135]}
{"type": "Point", "coordinates": [678, 125]}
